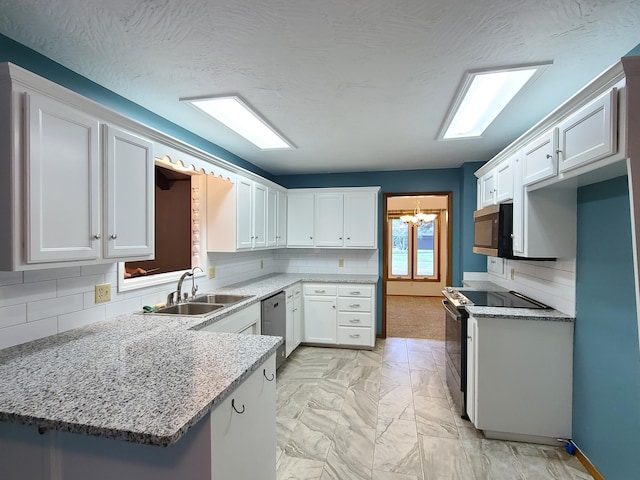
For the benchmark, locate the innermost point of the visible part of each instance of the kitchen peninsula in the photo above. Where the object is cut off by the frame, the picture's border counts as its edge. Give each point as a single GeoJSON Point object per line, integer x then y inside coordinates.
{"type": "Point", "coordinates": [108, 397]}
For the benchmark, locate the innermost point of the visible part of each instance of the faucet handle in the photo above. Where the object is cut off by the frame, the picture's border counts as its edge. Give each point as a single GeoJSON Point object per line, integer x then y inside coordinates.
{"type": "Point", "coordinates": [170, 297]}
{"type": "Point", "coordinates": [194, 290]}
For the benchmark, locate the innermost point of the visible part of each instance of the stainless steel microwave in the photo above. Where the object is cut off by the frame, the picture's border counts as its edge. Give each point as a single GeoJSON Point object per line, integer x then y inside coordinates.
{"type": "Point", "coordinates": [493, 229]}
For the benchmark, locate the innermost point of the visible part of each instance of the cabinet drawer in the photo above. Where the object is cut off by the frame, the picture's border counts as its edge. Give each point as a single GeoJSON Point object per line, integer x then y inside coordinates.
{"type": "Point", "coordinates": [350, 304]}
{"type": "Point", "coordinates": [320, 289]}
{"type": "Point", "coordinates": [355, 319]}
{"type": "Point", "coordinates": [355, 290]}
{"type": "Point", "coordinates": [354, 336]}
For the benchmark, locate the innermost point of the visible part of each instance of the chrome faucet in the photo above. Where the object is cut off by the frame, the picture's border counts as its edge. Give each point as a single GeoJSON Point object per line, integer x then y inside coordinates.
{"type": "Point", "coordinates": [194, 287]}
{"type": "Point", "coordinates": [179, 288]}
{"type": "Point", "coordinates": [176, 295]}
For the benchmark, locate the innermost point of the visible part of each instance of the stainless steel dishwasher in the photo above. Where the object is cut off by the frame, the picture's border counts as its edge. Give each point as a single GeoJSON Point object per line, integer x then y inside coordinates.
{"type": "Point", "coordinates": [274, 322]}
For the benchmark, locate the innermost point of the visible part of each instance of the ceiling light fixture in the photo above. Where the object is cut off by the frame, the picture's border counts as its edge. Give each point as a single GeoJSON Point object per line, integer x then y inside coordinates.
{"type": "Point", "coordinates": [235, 114]}
{"type": "Point", "coordinates": [418, 218]}
{"type": "Point", "coordinates": [482, 95]}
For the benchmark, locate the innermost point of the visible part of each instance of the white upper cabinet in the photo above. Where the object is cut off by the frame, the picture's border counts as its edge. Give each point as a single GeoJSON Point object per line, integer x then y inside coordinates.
{"type": "Point", "coordinates": [241, 215]}
{"type": "Point", "coordinates": [281, 222]}
{"type": "Point", "coordinates": [539, 158]}
{"type": "Point", "coordinates": [487, 186]}
{"type": "Point", "coordinates": [129, 194]}
{"type": "Point", "coordinates": [300, 211]}
{"type": "Point", "coordinates": [79, 192]}
{"type": "Point", "coordinates": [272, 217]}
{"type": "Point", "coordinates": [333, 217]}
{"type": "Point", "coordinates": [329, 220]}
{"type": "Point", "coordinates": [496, 186]}
{"type": "Point", "coordinates": [590, 133]}
{"type": "Point", "coordinates": [63, 184]}
{"type": "Point", "coordinates": [361, 219]}
{"type": "Point", "coordinates": [244, 216]}
{"type": "Point", "coordinates": [259, 215]}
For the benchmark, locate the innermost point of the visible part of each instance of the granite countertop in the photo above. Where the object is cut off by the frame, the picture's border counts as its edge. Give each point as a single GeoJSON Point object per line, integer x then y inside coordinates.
{"type": "Point", "coordinates": [548, 314]}
{"type": "Point", "coordinates": [141, 378]}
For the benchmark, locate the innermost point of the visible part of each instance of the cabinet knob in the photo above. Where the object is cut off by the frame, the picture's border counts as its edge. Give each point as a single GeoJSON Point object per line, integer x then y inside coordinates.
{"type": "Point", "coordinates": [348, 238]}
{"type": "Point", "coordinates": [97, 236]}
{"type": "Point", "coordinates": [339, 238]}
{"type": "Point", "coordinates": [513, 236]}
{"type": "Point", "coordinates": [549, 155]}
{"type": "Point", "coordinates": [113, 236]}
{"type": "Point", "coordinates": [558, 151]}
{"type": "Point", "coordinates": [310, 238]}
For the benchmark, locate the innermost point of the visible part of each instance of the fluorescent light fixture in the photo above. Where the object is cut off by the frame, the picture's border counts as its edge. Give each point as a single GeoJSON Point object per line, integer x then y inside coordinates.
{"type": "Point", "coordinates": [234, 113]}
{"type": "Point", "coordinates": [482, 95]}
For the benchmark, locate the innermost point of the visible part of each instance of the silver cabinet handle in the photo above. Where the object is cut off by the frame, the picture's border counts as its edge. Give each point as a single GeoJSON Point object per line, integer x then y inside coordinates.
{"type": "Point", "coordinates": [549, 156]}
{"type": "Point", "coordinates": [354, 320]}
{"type": "Point", "coordinates": [558, 151]}
{"type": "Point", "coordinates": [354, 335]}
{"type": "Point", "coordinates": [354, 305]}
{"type": "Point", "coordinates": [113, 236]}
{"type": "Point", "coordinates": [339, 238]}
{"type": "Point", "coordinates": [348, 238]}
{"type": "Point", "coordinates": [97, 236]}
{"type": "Point", "coordinates": [354, 293]}
{"type": "Point", "coordinates": [320, 291]}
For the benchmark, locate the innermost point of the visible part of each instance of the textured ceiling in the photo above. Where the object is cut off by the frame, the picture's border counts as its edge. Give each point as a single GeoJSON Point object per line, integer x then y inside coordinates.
{"type": "Point", "coordinates": [356, 85]}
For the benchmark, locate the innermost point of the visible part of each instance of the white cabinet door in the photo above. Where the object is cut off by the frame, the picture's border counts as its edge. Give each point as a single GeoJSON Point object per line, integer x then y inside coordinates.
{"type": "Point", "coordinates": [488, 189]}
{"type": "Point", "coordinates": [129, 195]}
{"type": "Point", "coordinates": [63, 182]}
{"type": "Point", "coordinates": [300, 213]}
{"type": "Point", "coordinates": [320, 320]}
{"type": "Point", "coordinates": [289, 336]}
{"type": "Point", "coordinates": [360, 220]}
{"type": "Point", "coordinates": [298, 333]}
{"type": "Point", "coordinates": [504, 181]}
{"type": "Point", "coordinates": [329, 220]}
{"type": "Point", "coordinates": [259, 212]}
{"type": "Point", "coordinates": [539, 158]}
{"type": "Point", "coordinates": [272, 217]}
{"type": "Point", "coordinates": [589, 134]}
{"type": "Point", "coordinates": [244, 218]}
{"type": "Point", "coordinates": [518, 207]}
{"type": "Point", "coordinates": [281, 222]}
{"type": "Point", "coordinates": [472, 356]}
{"type": "Point", "coordinates": [243, 429]}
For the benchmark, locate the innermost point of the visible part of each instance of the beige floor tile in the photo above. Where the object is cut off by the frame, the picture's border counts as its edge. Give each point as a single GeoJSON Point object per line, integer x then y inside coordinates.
{"type": "Point", "coordinates": [396, 401]}
{"type": "Point", "coordinates": [395, 374]}
{"type": "Point", "coordinates": [350, 455]}
{"type": "Point", "coordinates": [380, 475]}
{"type": "Point", "coordinates": [397, 447]}
{"type": "Point", "coordinates": [434, 418]}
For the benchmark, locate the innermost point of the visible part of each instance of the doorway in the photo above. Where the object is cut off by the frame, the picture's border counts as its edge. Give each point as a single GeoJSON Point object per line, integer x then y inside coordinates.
{"type": "Point", "coordinates": [416, 263]}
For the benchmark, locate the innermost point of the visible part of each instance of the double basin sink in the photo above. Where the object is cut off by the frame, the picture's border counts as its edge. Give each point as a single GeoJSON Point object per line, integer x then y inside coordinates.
{"type": "Point", "coordinates": [202, 304]}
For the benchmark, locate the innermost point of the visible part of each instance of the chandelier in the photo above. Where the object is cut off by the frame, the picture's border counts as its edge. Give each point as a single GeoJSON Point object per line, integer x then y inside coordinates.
{"type": "Point", "coordinates": [418, 218]}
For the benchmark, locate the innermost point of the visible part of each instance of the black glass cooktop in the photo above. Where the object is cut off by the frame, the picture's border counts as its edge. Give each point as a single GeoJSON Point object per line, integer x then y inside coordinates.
{"type": "Point", "coordinates": [500, 299]}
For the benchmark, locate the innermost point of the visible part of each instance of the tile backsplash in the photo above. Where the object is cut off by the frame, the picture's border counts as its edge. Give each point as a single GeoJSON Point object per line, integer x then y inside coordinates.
{"type": "Point", "coordinates": [550, 282]}
{"type": "Point", "coordinates": [39, 303]}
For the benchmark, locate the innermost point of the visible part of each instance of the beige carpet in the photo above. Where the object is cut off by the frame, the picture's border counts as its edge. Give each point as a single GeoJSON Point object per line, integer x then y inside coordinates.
{"type": "Point", "coordinates": [415, 317]}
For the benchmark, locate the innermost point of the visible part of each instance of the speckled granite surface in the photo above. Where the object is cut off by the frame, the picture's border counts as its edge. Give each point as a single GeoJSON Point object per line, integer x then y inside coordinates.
{"type": "Point", "coordinates": [141, 378]}
{"type": "Point", "coordinates": [519, 313]}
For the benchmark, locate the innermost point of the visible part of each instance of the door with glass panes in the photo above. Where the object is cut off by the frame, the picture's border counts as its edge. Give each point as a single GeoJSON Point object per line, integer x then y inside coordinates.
{"type": "Point", "coordinates": [413, 252]}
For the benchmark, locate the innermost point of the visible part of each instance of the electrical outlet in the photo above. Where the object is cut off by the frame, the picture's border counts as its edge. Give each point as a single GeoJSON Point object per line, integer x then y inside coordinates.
{"type": "Point", "coordinates": [103, 293]}
{"type": "Point", "coordinates": [212, 272]}
{"type": "Point", "coordinates": [341, 262]}
{"type": "Point", "coordinates": [513, 274]}
{"type": "Point", "coordinates": [261, 263]}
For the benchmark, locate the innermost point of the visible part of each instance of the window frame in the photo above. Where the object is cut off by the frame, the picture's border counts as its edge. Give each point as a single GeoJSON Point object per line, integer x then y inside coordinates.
{"type": "Point", "coordinates": [412, 242]}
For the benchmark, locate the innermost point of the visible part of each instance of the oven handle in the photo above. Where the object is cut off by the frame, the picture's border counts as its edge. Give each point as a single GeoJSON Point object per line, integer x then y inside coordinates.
{"type": "Point", "coordinates": [451, 310]}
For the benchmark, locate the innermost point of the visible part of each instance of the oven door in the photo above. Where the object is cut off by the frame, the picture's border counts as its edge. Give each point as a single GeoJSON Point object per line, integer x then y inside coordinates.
{"type": "Point", "coordinates": [456, 361]}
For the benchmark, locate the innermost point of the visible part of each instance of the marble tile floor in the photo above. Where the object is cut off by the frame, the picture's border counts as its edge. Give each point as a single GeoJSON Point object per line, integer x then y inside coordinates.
{"type": "Point", "coordinates": [386, 414]}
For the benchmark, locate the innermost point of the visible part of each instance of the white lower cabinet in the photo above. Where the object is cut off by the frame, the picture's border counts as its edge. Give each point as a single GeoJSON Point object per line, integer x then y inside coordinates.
{"type": "Point", "coordinates": [246, 320]}
{"type": "Point", "coordinates": [339, 314]}
{"type": "Point", "coordinates": [519, 378]}
{"type": "Point", "coordinates": [237, 440]}
{"type": "Point", "coordinates": [293, 318]}
{"type": "Point", "coordinates": [243, 429]}
{"type": "Point", "coordinates": [320, 314]}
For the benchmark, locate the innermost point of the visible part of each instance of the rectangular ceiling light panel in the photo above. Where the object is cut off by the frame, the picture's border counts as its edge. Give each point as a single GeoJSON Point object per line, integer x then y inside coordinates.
{"type": "Point", "coordinates": [482, 96]}
{"type": "Point", "coordinates": [236, 115]}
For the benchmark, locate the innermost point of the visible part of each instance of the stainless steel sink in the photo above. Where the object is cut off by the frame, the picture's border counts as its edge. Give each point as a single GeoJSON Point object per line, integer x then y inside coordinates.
{"type": "Point", "coordinates": [191, 309]}
{"type": "Point", "coordinates": [220, 298]}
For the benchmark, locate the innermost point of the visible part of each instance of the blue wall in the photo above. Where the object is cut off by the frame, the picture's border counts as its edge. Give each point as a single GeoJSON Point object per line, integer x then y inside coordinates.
{"type": "Point", "coordinates": [606, 383]}
{"type": "Point", "coordinates": [18, 54]}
